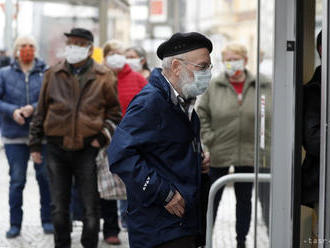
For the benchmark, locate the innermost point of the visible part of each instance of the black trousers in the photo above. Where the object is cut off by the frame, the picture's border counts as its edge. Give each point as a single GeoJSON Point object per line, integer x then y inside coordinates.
{"type": "Point", "coordinates": [62, 166]}
{"type": "Point", "coordinates": [109, 215]}
{"type": "Point", "coordinates": [243, 193]}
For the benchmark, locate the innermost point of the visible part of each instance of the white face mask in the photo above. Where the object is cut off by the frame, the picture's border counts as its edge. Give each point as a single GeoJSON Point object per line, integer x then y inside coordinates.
{"type": "Point", "coordinates": [135, 64]}
{"type": "Point", "coordinates": [199, 84]}
{"type": "Point", "coordinates": [75, 54]}
{"type": "Point", "coordinates": [116, 61]}
{"type": "Point", "coordinates": [233, 68]}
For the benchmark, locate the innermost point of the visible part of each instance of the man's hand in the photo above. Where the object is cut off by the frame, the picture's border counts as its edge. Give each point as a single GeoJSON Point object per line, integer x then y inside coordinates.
{"type": "Point", "coordinates": [36, 157]}
{"type": "Point", "coordinates": [206, 162]}
{"type": "Point", "coordinates": [18, 116]}
{"type": "Point", "coordinates": [176, 205]}
{"type": "Point", "coordinates": [95, 143]}
{"type": "Point", "coordinates": [27, 110]}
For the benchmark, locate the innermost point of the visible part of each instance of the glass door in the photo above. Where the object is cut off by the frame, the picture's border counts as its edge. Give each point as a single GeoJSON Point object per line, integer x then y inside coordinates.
{"type": "Point", "coordinates": [264, 78]}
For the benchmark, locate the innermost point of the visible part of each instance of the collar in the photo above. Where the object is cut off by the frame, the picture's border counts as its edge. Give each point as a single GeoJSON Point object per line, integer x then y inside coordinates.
{"type": "Point", "coordinates": [187, 106]}
{"type": "Point", "coordinates": [82, 69]}
{"type": "Point", "coordinates": [174, 93]}
{"type": "Point", "coordinates": [95, 68]}
{"type": "Point", "coordinates": [126, 70]}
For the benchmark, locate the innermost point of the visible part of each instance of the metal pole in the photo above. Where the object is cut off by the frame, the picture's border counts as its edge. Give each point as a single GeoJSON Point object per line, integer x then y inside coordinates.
{"type": "Point", "coordinates": [8, 37]}
{"type": "Point", "coordinates": [103, 17]}
{"type": "Point", "coordinates": [257, 130]}
{"type": "Point", "coordinates": [222, 181]}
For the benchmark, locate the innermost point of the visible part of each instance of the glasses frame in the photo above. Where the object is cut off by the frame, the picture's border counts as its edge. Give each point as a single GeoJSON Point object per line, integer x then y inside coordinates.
{"type": "Point", "coordinates": [202, 68]}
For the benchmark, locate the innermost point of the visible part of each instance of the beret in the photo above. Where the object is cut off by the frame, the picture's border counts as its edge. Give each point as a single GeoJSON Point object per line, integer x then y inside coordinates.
{"type": "Point", "coordinates": [183, 42]}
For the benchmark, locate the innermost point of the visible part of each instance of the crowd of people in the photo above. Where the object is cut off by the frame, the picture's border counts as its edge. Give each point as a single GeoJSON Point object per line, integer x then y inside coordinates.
{"type": "Point", "coordinates": [166, 153]}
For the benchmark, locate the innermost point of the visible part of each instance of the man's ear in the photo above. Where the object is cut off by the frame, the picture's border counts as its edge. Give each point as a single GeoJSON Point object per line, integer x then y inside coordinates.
{"type": "Point", "coordinates": [91, 50]}
{"type": "Point", "coordinates": [175, 67]}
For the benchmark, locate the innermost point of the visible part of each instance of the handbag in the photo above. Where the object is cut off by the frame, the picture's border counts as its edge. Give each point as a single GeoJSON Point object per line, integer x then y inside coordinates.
{"type": "Point", "coordinates": [110, 186]}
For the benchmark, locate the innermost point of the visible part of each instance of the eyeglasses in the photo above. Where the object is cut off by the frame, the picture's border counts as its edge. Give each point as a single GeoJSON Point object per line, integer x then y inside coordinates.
{"type": "Point", "coordinates": [201, 67]}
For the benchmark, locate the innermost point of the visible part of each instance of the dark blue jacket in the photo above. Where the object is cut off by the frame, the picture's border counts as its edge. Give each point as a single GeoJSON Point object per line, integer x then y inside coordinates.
{"type": "Point", "coordinates": [17, 90]}
{"type": "Point", "coordinates": [155, 149]}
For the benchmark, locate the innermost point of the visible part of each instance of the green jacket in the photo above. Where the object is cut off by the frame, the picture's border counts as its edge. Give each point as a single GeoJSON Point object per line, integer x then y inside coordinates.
{"type": "Point", "coordinates": [227, 126]}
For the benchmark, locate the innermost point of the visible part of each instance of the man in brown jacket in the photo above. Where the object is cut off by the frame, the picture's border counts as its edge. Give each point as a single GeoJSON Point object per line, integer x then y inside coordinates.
{"type": "Point", "coordinates": [77, 112]}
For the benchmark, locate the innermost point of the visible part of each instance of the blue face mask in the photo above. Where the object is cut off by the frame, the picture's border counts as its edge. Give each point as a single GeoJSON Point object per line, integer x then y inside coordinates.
{"type": "Point", "coordinates": [198, 86]}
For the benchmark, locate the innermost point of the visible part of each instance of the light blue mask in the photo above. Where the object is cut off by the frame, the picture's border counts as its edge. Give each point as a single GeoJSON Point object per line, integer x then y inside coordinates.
{"type": "Point", "coordinates": [198, 86]}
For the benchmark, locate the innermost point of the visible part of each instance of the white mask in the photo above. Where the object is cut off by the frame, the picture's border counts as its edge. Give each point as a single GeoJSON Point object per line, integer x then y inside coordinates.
{"type": "Point", "coordinates": [75, 54]}
{"type": "Point", "coordinates": [198, 86]}
{"type": "Point", "coordinates": [116, 61]}
{"type": "Point", "coordinates": [233, 68]}
{"type": "Point", "coordinates": [135, 64]}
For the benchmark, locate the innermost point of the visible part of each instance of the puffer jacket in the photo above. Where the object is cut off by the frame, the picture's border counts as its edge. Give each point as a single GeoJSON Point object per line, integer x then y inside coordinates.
{"type": "Point", "coordinates": [227, 126]}
{"type": "Point", "coordinates": [18, 90]}
{"type": "Point", "coordinates": [71, 116]}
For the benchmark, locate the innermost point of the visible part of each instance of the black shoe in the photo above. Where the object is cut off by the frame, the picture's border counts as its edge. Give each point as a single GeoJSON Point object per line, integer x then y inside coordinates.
{"type": "Point", "coordinates": [13, 232]}
{"type": "Point", "coordinates": [241, 245]}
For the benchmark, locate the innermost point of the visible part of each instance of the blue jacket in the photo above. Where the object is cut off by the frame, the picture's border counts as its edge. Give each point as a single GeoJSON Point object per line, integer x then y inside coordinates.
{"type": "Point", "coordinates": [17, 90]}
{"type": "Point", "coordinates": [156, 149]}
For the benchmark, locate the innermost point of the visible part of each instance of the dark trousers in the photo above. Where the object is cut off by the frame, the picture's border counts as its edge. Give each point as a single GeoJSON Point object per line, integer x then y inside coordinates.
{"type": "Point", "coordinates": [18, 156]}
{"type": "Point", "coordinates": [185, 242]}
{"type": "Point", "coordinates": [243, 193]}
{"type": "Point", "coordinates": [64, 165]}
{"type": "Point", "coordinates": [109, 213]}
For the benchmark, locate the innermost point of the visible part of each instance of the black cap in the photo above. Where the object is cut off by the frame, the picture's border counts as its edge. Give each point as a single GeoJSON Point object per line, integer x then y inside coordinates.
{"type": "Point", "coordinates": [80, 32]}
{"type": "Point", "coordinates": [183, 42]}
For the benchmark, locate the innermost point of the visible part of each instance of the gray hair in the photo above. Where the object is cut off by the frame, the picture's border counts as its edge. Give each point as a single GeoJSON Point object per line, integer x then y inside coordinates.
{"type": "Point", "coordinates": [21, 40]}
{"type": "Point", "coordinates": [167, 62]}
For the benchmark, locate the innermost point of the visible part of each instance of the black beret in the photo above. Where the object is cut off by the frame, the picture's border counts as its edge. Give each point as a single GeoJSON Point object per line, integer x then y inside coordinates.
{"type": "Point", "coordinates": [80, 32]}
{"type": "Point", "coordinates": [183, 42]}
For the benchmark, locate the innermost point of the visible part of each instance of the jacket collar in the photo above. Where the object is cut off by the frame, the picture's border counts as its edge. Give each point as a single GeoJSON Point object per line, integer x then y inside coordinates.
{"type": "Point", "coordinates": [159, 81]}
{"type": "Point", "coordinates": [95, 68]}
{"type": "Point", "coordinates": [39, 65]}
{"type": "Point", "coordinates": [126, 70]}
{"type": "Point", "coordinates": [224, 80]}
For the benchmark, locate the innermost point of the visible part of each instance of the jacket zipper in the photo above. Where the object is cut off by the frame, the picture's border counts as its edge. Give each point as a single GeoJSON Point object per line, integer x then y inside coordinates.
{"type": "Point", "coordinates": [81, 91]}
{"type": "Point", "coordinates": [27, 88]}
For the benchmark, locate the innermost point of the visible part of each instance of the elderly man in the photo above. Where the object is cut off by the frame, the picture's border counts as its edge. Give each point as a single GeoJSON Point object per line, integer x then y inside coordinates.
{"type": "Point", "coordinates": [77, 111]}
{"type": "Point", "coordinates": [20, 84]}
{"type": "Point", "coordinates": [156, 148]}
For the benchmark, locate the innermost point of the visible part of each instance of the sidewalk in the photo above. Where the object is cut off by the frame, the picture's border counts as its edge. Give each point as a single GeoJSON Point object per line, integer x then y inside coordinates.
{"type": "Point", "coordinates": [32, 235]}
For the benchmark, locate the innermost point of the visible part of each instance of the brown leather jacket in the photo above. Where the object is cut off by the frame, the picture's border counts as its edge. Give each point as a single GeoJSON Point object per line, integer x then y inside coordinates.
{"type": "Point", "coordinates": [72, 116]}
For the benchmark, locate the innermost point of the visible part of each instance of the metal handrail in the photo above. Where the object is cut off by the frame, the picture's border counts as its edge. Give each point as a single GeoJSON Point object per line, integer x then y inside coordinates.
{"type": "Point", "coordinates": [222, 181]}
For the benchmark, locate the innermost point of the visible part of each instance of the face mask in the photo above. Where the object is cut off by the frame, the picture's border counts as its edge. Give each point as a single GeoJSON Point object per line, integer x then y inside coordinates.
{"type": "Point", "coordinates": [198, 86]}
{"type": "Point", "coordinates": [75, 54]}
{"type": "Point", "coordinates": [135, 64]}
{"type": "Point", "coordinates": [116, 61]}
{"type": "Point", "coordinates": [234, 68]}
{"type": "Point", "coordinates": [26, 54]}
